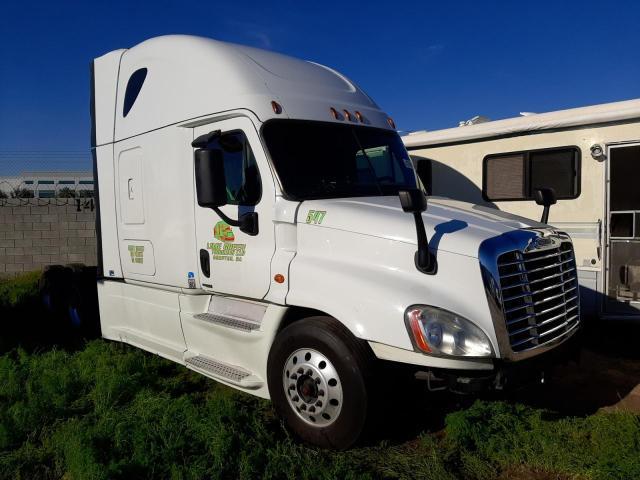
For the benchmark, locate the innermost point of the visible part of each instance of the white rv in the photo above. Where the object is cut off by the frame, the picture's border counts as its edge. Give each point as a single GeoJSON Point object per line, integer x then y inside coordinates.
{"type": "Point", "coordinates": [261, 223]}
{"type": "Point", "coordinates": [590, 156]}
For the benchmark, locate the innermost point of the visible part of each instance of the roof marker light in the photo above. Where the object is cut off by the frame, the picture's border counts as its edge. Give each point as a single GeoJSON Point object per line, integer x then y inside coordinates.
{"type": "Point", "coordinates": [359, 117]}
{"type": "Point", "coordinates": [391, 123]}
{"type": "Point", "coordinates": [277, 108]}
{"type": "Point", "coordinates": [334, 113]}
{"type": "Point", "coordinates": [347, 115]}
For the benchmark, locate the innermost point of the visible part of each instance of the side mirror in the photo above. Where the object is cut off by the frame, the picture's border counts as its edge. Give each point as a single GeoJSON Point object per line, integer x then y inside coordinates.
{"type": "Point", "coordinates": [545, 197]}
{"type": "Point", "coordinates": [423, 169]}
{"type": "Point", "coordinates": [211, 185]}
{"type": "Point", "coordinates": [211, 189]}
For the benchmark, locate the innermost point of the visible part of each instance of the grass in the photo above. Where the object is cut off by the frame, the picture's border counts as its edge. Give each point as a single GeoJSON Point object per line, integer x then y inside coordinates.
{"type": "Point", "coordinates": [100, 410]}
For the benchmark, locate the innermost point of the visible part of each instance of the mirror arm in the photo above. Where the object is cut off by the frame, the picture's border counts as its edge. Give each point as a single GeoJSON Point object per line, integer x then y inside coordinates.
{"type": "Point", "coordinates": [204, 140]}
{"type": "Point", "coordinates": [424, 259]}
{"type": "Point", "coordinates": [545, 214]}
{"type": "Point", "coordinates": [228, 220]}
{"type": "Point", "coordinates": [248, 222]}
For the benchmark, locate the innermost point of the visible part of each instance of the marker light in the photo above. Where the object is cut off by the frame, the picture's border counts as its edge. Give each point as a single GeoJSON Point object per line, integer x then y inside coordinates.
{"type": "Point", "coordinates": [413, 318]}
{"type": "Point", "coordinates": [441, 332]}
{"type": "Point", "coordinates": [359, 117]}
{"type": "Point", "coordinates": [277, 108]}
{"type": "Point", "coordinates": [279, 278]}
{"type": "Point", "coordinates": [391, 123]}
{"type": "Point", "coordinates": [347, 115]}
{"type": "Point", "coordinates": [334, 113]}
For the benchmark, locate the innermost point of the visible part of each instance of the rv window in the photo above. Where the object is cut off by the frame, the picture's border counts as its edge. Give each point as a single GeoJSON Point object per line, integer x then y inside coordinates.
{"type": "Point", "coordinates": [505, 177]}
{"type": "Point", "coordinates": [240, 168]}
{"type": "Point", "coordinates": [516, 176]}
{"type": "Point", "coordinates": [134, 85]}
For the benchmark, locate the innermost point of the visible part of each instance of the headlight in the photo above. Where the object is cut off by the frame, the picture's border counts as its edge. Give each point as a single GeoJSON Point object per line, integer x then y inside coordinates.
{"type": "Point", "coordinates": [440, 332]}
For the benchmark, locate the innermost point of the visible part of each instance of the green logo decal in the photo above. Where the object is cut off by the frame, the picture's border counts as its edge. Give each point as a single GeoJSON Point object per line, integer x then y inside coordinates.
{"type": "Point", "coordinates": [316, 217]}
{"type": "Point", "coordinates": [223, 232]}
{"type": "Point", "coordinates": [137, 253]}
{"type": "Point", "coordinates": [226, 250]}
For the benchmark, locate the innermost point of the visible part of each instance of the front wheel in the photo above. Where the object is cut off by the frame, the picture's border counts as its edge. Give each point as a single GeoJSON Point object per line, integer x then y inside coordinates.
{"type": "Point", "coordinates": [318, 376]}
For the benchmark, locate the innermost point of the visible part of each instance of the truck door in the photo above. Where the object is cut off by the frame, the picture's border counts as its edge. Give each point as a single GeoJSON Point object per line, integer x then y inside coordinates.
{"type": "Point", "coordinates": [623, 255]}
{"type": "Point", "coordinates": [231, 261]}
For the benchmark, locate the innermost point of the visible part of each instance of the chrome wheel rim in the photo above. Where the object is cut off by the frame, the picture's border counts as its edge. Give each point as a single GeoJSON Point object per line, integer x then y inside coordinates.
{"type": "Point", "coordinates": [313, 387]}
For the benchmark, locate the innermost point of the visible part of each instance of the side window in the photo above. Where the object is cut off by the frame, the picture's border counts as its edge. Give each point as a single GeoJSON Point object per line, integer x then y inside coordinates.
{"type": "Point", "coordinates": [240, 168]}
{"type": "Point", "coordinates": [134, 85]}
{"type": "Point", "coordinates": [516, 176]}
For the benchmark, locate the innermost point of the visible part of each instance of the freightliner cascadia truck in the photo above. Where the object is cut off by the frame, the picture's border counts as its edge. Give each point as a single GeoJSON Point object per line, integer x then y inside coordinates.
{"type": "Point", "coordinates": [260, 222]}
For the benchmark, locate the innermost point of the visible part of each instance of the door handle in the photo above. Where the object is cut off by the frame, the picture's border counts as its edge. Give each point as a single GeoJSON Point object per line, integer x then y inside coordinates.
{"type": "Point", "coordinates": [130, 188]}
{"type": "Point", "coordinates": [205, 266]}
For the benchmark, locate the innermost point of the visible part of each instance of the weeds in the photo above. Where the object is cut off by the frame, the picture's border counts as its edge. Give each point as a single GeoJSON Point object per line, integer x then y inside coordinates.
{"type": "Point", "coordinates": [109, 411]}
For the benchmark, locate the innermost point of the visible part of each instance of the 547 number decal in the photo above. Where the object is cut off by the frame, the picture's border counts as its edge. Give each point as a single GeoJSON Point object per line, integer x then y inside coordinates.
{"type": "Point", "coordinates": [315, 217]}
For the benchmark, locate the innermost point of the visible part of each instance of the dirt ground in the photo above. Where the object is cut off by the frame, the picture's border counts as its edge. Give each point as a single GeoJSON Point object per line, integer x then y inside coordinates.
{"type": "Point", "coordinates": [606, 377]}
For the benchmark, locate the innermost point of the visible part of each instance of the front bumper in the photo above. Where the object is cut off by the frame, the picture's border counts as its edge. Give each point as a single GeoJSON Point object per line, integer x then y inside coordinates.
{"type": "Point", "coordinates": [505, 374]}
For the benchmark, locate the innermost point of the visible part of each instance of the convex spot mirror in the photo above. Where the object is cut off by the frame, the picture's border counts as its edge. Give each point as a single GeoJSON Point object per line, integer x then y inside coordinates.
{"type": "Point", "coordinates": [413, 201]}
{"type": "Point", "coordinates": [545, 196]}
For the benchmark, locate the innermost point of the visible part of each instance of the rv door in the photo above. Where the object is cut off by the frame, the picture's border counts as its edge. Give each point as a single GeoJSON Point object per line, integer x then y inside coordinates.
{"type": "Point", "coordinates": [623, 252]}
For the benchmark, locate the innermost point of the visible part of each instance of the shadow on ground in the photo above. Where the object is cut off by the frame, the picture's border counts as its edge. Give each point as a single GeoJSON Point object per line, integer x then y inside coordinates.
{"type": "Point", "coordinates": [607, 377]}
{"type": "Point", "coordinates": [608, 372]}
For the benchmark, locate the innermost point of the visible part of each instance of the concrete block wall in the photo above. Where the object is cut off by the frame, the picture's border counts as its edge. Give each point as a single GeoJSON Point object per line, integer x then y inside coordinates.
{"type": "Point", "coordinates": [33, 235]}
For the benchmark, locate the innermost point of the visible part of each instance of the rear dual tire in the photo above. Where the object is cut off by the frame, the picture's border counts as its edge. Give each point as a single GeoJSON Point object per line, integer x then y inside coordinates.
{"type": "Point", "coordinates": [319, 378]}
{"type": "Point", "coordinates": [69, 293]}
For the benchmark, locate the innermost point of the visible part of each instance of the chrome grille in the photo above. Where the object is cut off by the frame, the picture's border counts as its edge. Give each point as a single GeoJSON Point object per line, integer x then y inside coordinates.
{"type": "Point", "coordinates": [539, 295]}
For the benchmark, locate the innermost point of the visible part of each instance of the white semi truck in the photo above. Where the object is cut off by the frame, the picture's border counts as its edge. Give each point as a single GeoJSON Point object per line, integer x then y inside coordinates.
{"type": "Point", "coordinates": [260, 222]}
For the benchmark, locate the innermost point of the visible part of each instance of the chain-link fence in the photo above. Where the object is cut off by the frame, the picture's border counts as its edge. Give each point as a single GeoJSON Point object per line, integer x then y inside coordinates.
{"type": "Point", "coordinates": [46, 176]}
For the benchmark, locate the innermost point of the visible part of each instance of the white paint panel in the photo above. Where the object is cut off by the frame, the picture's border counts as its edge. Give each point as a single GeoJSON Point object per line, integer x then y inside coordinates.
{"type": "Point", "coordinates": [105, 71]}
{"type": "Point", "coordinates": [146, 317]}
{"type": "Point", "coordinates": [131, 186]}
{"type": "Point", "coordinates": [166, 178]}
{"type": "Point", "coordinates": [108, 220]}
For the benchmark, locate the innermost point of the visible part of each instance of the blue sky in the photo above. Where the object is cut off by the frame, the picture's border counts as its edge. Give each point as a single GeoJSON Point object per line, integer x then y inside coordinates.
{"type": "Point", "coordinates": [429, 64]}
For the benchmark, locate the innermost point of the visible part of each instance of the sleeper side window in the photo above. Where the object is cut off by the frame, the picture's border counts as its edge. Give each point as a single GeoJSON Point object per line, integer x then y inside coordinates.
{"type": "Point", "coordinates": [134, 85]}
{"type": "Point", "coordinates": [517, 175]}
{"type": "Point", "coordinates": [240, 168]}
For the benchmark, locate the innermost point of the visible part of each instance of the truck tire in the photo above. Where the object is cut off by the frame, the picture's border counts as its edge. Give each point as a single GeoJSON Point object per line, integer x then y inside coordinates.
{"type": "Point", "coordinates": [54, 289]}
{"type": "Point", "coordinates": [82, 304]}
{"type": "Point", "coordinates": [318, 375]}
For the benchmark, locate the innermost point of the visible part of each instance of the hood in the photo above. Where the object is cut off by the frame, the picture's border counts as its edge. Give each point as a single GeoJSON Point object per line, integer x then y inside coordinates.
{"type": "Point", "coordinates": [451, 225]}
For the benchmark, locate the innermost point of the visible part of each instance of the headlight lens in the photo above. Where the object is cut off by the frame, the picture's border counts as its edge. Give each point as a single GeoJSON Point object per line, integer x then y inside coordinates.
{"type": "Point", "coordinates": [441, 332]}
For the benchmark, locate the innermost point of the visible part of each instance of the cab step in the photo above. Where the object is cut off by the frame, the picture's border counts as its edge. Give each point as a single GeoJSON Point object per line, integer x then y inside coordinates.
{"type": "Point", "coordinates": [224, 372]}
{"type": "Point", "coordinates": [230, 322]}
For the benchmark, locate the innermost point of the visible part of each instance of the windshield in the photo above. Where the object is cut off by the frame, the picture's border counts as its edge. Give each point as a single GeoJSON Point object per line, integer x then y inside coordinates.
{"type": "Point", "coordinates": [327, 160]}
